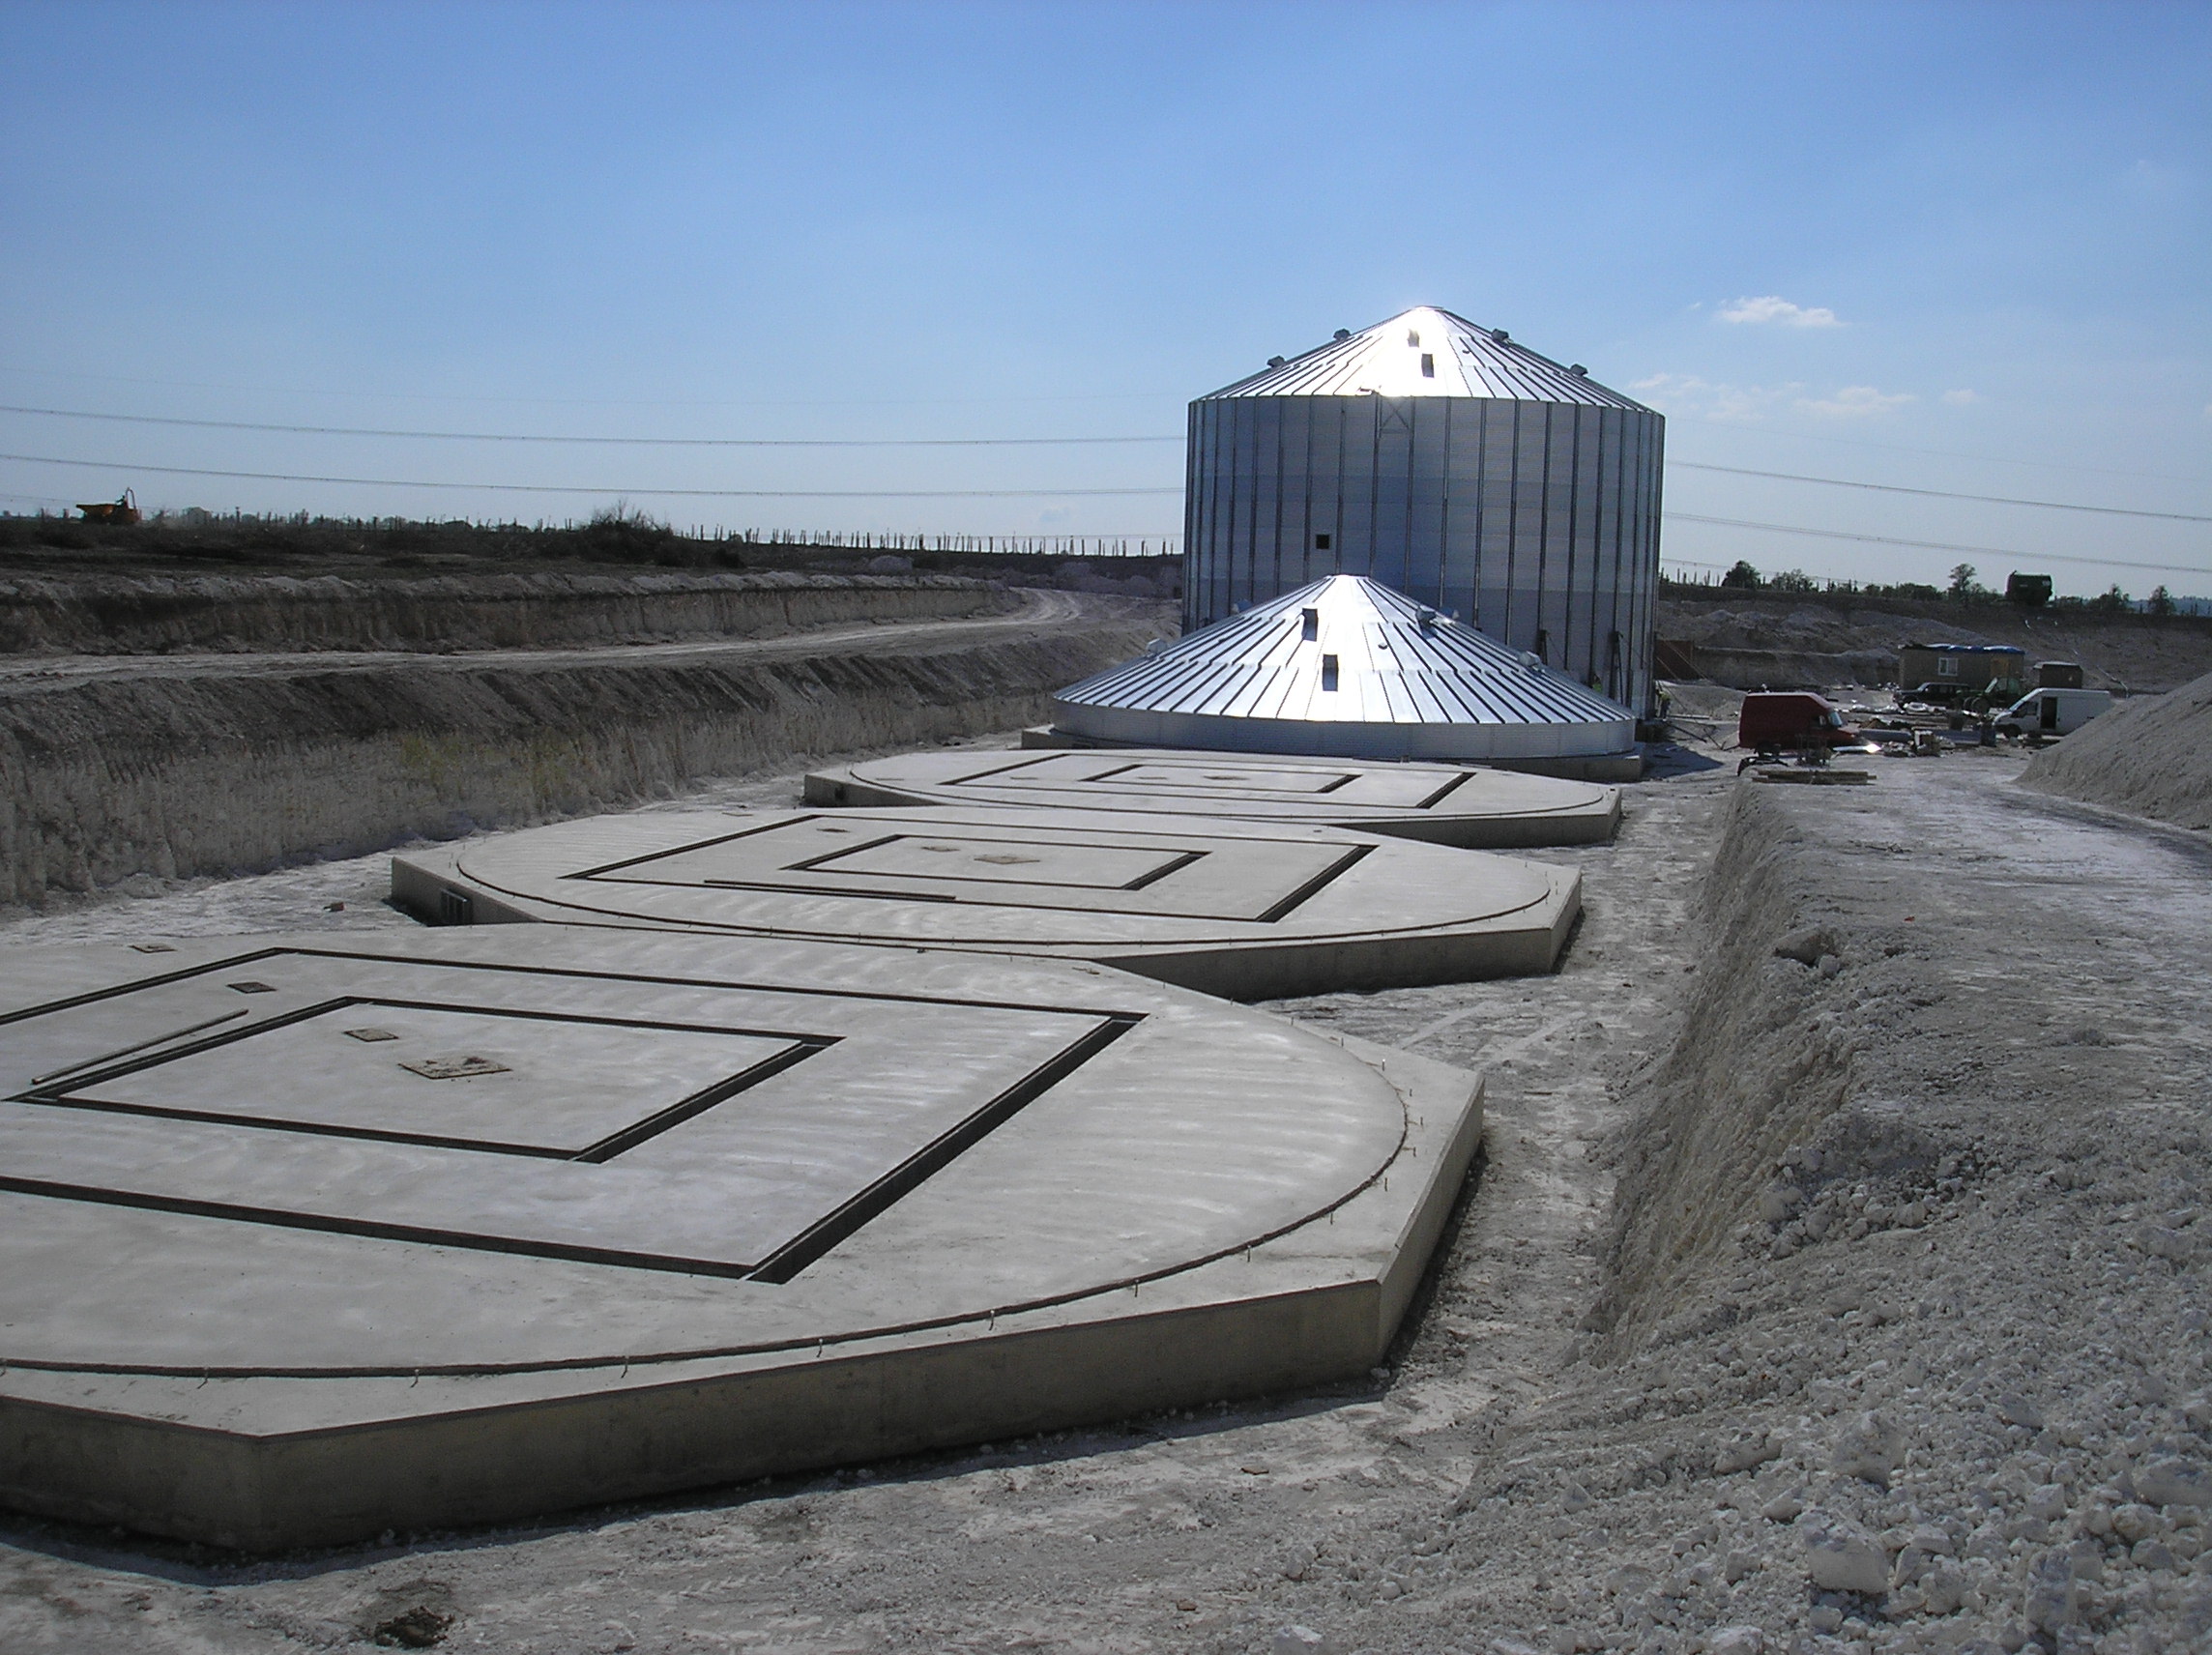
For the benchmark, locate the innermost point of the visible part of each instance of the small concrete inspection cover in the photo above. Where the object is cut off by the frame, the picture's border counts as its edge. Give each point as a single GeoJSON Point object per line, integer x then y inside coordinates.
{"type": "Point", "coordinates": [461, 1226]}
{"type": "Point", "coordinates": [1449, 805]}
{"type": "Point", "coordinates": [1242, 910]}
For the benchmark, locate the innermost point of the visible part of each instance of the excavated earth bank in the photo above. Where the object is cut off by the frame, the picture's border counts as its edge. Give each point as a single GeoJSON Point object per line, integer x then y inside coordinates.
{"type": "Point", "coordinates": [147, 614]}
{"type": "Point", "coordinates": [1780, 642]}
{"type": "Point", "coordinates": [2152, 757]}
{"type": "Point", "coordinates": [1833, 1282]}
{"type": "Point", "coordinates": [179, 766]}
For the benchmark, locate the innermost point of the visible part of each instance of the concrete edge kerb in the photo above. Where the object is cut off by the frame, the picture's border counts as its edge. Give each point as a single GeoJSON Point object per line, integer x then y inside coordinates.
{"type": "Point", "coordinates": [842, 786]}
{"type": "Point", "coordinates": [1229, 970]}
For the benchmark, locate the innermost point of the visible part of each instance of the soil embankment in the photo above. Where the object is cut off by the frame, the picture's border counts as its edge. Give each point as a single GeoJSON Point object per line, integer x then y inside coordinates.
{"type": "Point", "coordinates": [1904, 1289]}
{"type": "Point", "coordinates": [140, 614]}
{"type": "Point", "coordinates": [2152, 757]}
{"type": "Point", "coordinates": [178, 765]}
{"type": "Point", "coordinates": [1811, 641]}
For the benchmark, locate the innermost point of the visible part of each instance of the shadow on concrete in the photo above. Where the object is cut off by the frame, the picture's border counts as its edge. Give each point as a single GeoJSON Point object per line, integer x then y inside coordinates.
{"type": "Point", "coordinates": [1663, 759]}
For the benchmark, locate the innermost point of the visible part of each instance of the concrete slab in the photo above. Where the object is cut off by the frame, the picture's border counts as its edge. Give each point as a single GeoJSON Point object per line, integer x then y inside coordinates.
{"type": "Point", "coordinates": [303, 1238]}
{"type": "Point", "coordinates": [1449, 805]}
{"type": "Point", "coordinates": [1235, 909]}
{"type": "Point", "coordinates": [1581, 767]}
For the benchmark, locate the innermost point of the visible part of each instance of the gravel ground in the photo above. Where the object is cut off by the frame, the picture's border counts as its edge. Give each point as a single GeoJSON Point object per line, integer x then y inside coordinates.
{"type": "Point", "coordinates": [1831, 1279]}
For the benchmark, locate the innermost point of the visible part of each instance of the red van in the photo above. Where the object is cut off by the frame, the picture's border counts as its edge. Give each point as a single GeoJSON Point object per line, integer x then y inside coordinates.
{"type": "Point", "coordinates": [1777, 721]}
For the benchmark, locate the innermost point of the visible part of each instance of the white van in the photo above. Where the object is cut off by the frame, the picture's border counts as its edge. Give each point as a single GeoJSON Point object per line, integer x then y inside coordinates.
{"type": "Point", "coordinates": [2053, 712]}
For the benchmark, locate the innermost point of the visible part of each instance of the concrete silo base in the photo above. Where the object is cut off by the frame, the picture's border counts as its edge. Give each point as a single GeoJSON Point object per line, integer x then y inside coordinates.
{"type": "Point", "coordinates": [312, 1237]}
{"type": "Point", "coordinates": [1466, 806]}
{"type": "Point", "coordinates": [1236, 909]}
{"type": "Point", "coordinates": [1583, 767]}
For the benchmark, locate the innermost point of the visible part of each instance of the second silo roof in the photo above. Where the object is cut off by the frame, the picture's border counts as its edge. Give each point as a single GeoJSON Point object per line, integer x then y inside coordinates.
{"type": "Point", "coordinates": [1345, 666]}
{"type": "Point", "coordinates": [1427, 352]}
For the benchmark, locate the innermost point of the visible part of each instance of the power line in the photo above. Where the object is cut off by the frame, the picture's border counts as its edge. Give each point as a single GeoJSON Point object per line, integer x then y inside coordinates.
{"type": "Point", "coordinates": [1003, 494]}
{"type": "Point", "coordinates": [1944, 493]}
{"type": "Point", "coordinates": [981, 442]}
{"type": "Point", "coordinates": [576, 488]}
{"type": "Point", "coordinates": [601, 402]}
{"type": "Point", "coordinates": [1957, 455]}
{"type": "Point", "coordinates": [1935, 546]}
{"type": "Point", "coordinates": [633, 442]}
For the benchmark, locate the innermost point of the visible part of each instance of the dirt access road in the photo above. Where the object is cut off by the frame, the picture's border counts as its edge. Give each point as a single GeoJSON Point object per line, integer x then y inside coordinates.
{"type": "Point", "coordinates": [1039, 613]}
{"type": "Point", "coordinates": [1628, 1423]}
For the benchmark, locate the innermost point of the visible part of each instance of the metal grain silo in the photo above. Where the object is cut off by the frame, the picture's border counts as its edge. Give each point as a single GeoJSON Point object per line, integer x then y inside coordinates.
{"type": "Point", "coordinates": [1451, 464]}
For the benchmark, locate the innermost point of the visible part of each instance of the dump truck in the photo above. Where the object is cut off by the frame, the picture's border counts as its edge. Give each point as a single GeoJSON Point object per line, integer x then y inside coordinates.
{"type": "Point", "coordinates": [122, 511]}
{"type": "Point", "coordinates": [2052, 712]}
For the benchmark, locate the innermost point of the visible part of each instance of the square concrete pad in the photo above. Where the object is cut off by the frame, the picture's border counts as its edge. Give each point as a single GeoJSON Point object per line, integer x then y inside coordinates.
{"type": "Point", "coordinates": [467, 1224]}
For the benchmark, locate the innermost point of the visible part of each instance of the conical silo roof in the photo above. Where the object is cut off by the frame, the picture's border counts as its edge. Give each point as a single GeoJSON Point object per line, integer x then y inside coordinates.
{"type": "Point", "coordinates": [1427, 352]}
{"type": "Point", "coordinates": [1349, 668]}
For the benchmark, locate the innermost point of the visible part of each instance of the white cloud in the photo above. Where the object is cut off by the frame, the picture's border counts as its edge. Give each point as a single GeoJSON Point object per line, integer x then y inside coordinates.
{"type": "Point", "coordinates": [1771, 309]}
{"type": "Point", "coordinates": [1960, 398]}
{"type": "Point", "coordinates": [1856, 402]}
{"type": "Point", "coordinates": [1687, 395]}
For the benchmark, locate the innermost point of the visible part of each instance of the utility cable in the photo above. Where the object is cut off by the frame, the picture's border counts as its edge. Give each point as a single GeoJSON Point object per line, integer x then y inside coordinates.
{"type": "Point", "coordinates": [1932, 546]}
{"type": "Point", "coordinates": [982, 443]}
{"type": "Point", "coordinates": [631, 442]}
{"type": "Point", "coordinates": [578, 488]}
{"type": "Point", "coordinates": [1937, 493]}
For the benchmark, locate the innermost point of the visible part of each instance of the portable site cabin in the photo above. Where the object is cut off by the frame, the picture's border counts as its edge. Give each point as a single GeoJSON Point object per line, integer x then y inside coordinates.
{"type": "Point", "coordinates": [1961, 672]}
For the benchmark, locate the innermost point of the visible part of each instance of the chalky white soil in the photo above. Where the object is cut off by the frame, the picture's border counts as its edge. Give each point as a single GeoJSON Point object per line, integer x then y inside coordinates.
{"type": "Point", "coordinates": [2151, 755]}
{"type": "Point", "coordinates": [1833, 1280]}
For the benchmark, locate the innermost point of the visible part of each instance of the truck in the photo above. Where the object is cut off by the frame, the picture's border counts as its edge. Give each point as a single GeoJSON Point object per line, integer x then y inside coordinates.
{"type": "Point", "coordinates": [1773, 722]}
{"type": "Point", "coordinates": [2049, 712]}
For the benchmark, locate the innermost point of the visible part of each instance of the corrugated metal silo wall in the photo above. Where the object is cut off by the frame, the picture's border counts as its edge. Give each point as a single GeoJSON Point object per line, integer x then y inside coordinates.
{"type": "Point", "coordinates": [1538, 522]}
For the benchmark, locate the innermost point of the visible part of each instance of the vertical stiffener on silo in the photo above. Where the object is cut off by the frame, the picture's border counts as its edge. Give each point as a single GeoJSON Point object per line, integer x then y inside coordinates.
{"type": "Point", "coordinates": [1451, 464]}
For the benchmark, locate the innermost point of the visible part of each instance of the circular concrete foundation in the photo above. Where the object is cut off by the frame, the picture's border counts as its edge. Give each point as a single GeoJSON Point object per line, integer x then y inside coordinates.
{"type": "Point", "coordinates": [307, 1237]}
{"type": "Point", "coordinates": [1237, 909]}
{"type": "Point", "coordinates": [1449, 805]}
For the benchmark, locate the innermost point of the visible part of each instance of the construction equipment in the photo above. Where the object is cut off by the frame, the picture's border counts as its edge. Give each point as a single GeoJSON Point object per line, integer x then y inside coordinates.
{"type": "Point", "coordinates": [123, 510]}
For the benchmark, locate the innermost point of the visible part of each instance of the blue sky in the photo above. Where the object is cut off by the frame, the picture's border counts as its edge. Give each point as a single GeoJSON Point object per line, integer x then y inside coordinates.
{"type": "Point", "coordinates": [1974, 242]}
